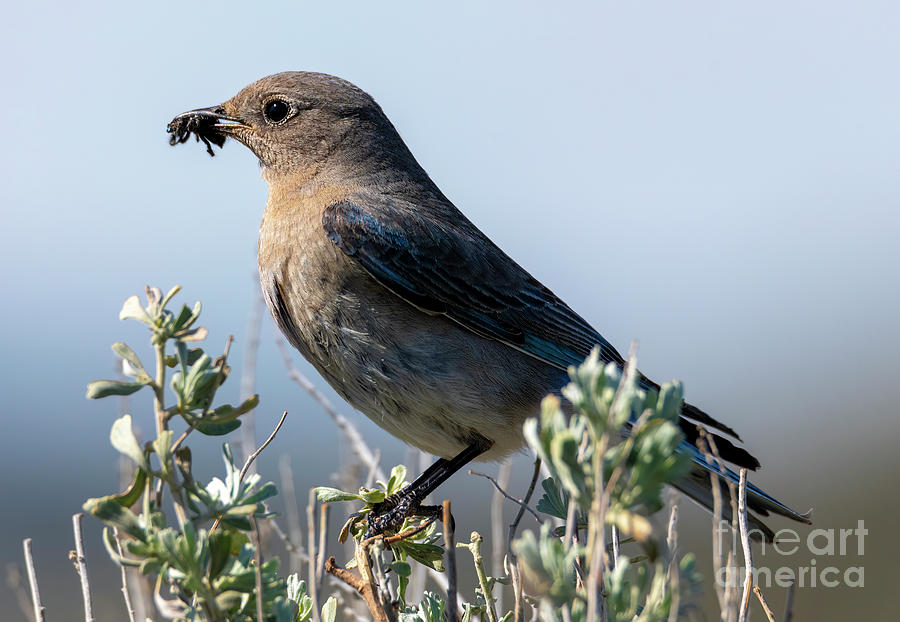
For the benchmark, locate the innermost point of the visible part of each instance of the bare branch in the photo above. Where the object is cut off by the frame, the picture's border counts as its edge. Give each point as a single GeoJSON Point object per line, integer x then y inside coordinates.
{"type": "Point", "coordinates": [672, 570]}
{"type": "Point", "coordinates": [504, 493]}
{"type": "Point", "coordinates": [250, 460]}
{"type": "Point", "coordinates": [125, 593]}
{"type": "Point", "coordinates": [77, 557]}
{"type": "Point", "coordinates": [450, 548]}
{"type": "Point", "coordinates": [311, 545]}
{"type": "Point", "coordinates": [253, 456]}
{"type": "Point", "coordinates": [292, 548]}
{"type": "Point", "coordinates": [257, 555]}
{"type": "Point", "coordinates": [512, 560]}
{"type": "Point", "coordinates": [323, 545]}
{"type": "Point", "coordinates": [364, 588]}
{"type": "Point", "coordinates": [504, 472]}
{"type": "Point", "coordinates": [745, 541]}
{"type": "Point", "coordinates": [32, 581]}
{"type": "Point", "coordinates": [353, 436]}
{"type": "Point", "coordinates": [765, 605]}
{"type": "Point", "coordinates": [525, 500]}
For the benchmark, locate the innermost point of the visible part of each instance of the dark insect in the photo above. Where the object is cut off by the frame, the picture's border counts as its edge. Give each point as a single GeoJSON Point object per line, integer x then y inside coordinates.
{"type": "Point", "coordinates": [201, 125]}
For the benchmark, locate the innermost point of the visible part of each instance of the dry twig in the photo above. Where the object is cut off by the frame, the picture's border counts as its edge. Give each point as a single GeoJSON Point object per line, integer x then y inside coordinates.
{"type": "Point", "coordinates": [257, 555]}
{"type": "Point", "coordinates": [514, 571]}
{"type": "Point", "coordinates": [672, 570]}
{"type": "Point", "coordinates": [253, 456]}
{"type": "Point", "coordinates": [250, 460]}
{"type": "Point", "coordinates": [505, 494]}
{"type": "Point", "coordinates": [125, 593]}
{"type": "Point", "coordinates": [745, 542]}
{"type": "Point", "coordinates": [504, 472]}
{"type": "Point", "coordinates": [364, 588]}
{"type": "Point", "coordinates": [313, 555]}
{"type": "Point", "coordinates": [323, 545]}
{"type": "Point", "coordinates": [765, 605]}
{"type": "Point", "coordinates": [353, 436]}
{"type": "Point", "coordinates": [450, 548]}
{"type": "Point", "coordinates": [77, 557]}
{"type": "Point", "coordinates": [32, 581]}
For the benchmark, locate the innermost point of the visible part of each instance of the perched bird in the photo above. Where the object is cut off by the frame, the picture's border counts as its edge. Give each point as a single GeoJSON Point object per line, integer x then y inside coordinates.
{"type": "Point", "coordinates": [406, 308]}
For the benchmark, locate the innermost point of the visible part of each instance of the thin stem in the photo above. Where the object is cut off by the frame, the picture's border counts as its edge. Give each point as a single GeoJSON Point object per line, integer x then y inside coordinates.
{"type": "Point", "coordinates": [474, 546]}
{"type": "Point", "coordinates": [765, 605]}
{"type": "Point", "coordinates": [32, 581]}
{"type": "Point", "coordinates": [504, 472]}
{"type": "Point", "coordinates": [311, 545]}
{"type": "Point", "coordinates": [353, 436]}
{"type": "Point", "coordinates": [253, 456]}
{"type": "Point", "coordinates": [672, 570]}
{"type": "Point", "coordinates": [450, 548]}
{"type": "Point", "coordinates": [292, 548]}
{"type": "Point", "coordinates": [257, 553]}
{"type": "Point", "coordinates": [745, 542]}
{"type": "Point", "coordinates": [505, 494]}
{"type": "Point", "coordinates": [514, 571]}
{"type": "Point", "coordinates": [704, 447]}
{"type": "Point", "coordinates": [162, 424]}
{"type": "Point", "coordinates": [321, 548]}
{"type": "Point", "coordinates": [81, 568]}
{"type": "Point", "coordinates": [125, 593]}
{"type": "Point", "coordinates": [159, 389]}
{"type": "Point", "coordinates": [250, 461]}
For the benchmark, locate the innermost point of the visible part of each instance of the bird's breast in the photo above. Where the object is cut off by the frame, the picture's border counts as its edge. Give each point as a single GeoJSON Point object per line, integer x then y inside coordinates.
{"type": "Point", "coordinates": [420, 376]}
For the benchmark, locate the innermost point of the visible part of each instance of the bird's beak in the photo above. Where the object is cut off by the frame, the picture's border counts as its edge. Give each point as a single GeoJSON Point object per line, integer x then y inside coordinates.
{"type": "Point", "coordinates": [210, 125]}
{"type": "Point", "coordinates": [213, 117]}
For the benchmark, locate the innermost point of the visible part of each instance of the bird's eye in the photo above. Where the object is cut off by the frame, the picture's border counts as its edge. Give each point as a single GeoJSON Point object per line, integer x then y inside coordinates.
{"type": "Point", "coordinates": [276, 110]}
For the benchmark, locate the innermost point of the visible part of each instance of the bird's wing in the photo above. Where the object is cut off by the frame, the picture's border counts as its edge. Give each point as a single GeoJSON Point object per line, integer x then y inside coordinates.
{"type": "Point", "coordinates": [451, 268]}
{"type": "Point", "coordinates": [443, 264]}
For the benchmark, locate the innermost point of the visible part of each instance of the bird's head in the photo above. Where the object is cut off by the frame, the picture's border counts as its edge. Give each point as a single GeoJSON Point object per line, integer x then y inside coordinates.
{"type": "Point", "coordinates": [294, 121]}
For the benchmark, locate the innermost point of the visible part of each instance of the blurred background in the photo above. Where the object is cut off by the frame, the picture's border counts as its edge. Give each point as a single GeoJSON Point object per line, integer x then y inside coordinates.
{"type": "Point", "coordinates": [718, 181]}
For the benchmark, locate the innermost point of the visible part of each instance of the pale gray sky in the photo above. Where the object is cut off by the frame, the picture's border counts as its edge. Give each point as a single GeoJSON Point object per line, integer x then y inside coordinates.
{"type": "Point", "coordinates": [716, 180]}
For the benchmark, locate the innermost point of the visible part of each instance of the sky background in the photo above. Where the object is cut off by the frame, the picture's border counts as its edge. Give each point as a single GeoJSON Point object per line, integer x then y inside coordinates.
{"type": "Point", "coordinates": [718, 181]}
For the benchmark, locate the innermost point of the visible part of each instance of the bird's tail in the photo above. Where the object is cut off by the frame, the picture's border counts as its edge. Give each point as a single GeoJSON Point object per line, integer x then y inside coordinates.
{"type": "Point", "coordinates": [698, 485]}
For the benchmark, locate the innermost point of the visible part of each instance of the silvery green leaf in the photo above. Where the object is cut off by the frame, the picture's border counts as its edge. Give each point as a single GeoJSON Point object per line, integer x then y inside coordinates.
{"type": "Point", "coordinates": [109, 511]}
{"type": "Point", "coordinates": [554, 501]}
{"type": "Point", "coordinates": [163, 446]}
{"type": "Point", "coordinates": [170, 295]}
{"type": "Point", "coordinates": [105, 388]}
{"type": "Point", "coordinates": [329, 609]}
{"type": "Point", "coordinates": [122, 438]}
{"type": "Point", "coordinates": [132, 309]}
{"type": "Point", "coordinates": [372, 496]}
{"type": "Point", "coordinates": [397, 479]}
{"type": "Point", "coordinates": [331, 495]}
{"type": "Point", "coordinates": [130, 357]}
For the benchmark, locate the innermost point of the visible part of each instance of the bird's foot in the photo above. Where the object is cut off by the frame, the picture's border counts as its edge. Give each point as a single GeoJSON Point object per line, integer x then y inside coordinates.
{"type": "Point", "coordinates": [390, 513]}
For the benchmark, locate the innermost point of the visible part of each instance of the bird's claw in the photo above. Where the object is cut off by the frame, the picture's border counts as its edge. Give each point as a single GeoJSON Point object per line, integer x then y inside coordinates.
{"type": "Point", "coordinates": [390, 513]}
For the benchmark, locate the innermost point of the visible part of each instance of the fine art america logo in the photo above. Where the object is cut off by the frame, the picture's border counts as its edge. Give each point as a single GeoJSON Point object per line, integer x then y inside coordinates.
{"type": "Point", "coordinates": [818, 550]}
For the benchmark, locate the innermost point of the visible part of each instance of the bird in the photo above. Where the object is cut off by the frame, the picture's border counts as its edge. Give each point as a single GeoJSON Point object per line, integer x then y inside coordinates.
{"type": "Point", "coordinates": [408, 310]}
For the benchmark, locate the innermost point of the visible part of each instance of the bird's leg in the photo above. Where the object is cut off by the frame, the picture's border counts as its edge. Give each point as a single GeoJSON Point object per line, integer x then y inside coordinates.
{"type": "Point", "coordinates": [390, 513]}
